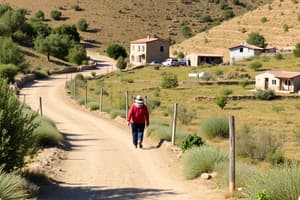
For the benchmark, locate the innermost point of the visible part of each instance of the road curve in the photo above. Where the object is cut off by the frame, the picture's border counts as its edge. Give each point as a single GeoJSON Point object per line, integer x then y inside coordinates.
{"type": "Point", "coordinates": [101, 162]}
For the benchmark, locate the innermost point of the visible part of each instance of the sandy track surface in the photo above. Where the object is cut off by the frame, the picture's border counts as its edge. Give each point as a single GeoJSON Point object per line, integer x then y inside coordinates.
{"type": "Point", "coordinates": [101, 162]}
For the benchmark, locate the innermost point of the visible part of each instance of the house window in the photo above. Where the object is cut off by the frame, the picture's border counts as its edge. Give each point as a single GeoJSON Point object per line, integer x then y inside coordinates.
{"type": "Point", "coordinates": [273, 82]}
{"type": "Point", "coordinates": [138, 48]}
{"type": "Point", "coordinates": [241, 50]}
{"type": "Point", "coordinates": [132, 48]}
{"type": "Point", "coordinates": [287, 82]}
{"type": "Point", "coordinates": [161, 49]}
{"type": "Point", "coordinates": [143, 48]}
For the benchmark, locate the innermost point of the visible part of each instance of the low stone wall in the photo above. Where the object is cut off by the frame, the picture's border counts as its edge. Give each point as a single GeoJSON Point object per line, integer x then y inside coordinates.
{"type": "Point", "coordinates": [217, 82]}
{"type": "Point", "coordinates": [25, 79]}
{"type": "Point", "coordinates": [243, 97]}
{"type": "Point", "coordinates": [75, 69]}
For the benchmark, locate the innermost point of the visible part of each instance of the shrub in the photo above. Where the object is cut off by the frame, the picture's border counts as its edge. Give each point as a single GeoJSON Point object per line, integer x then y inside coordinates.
{"type": "Point", "coordinates": [16, 129]}
{"type": "Point", "coordinates": [77, 54]}
{"type": "Point", "coordinates": [121, 63]}
{"type": "Point", "coordinates": [159, 131]}
{"type": "Point", "coordinates": [215, 127]}
{"type": "Point", "coordinates": [242, 170]}
{"type": "Point", "coordinates": [184, 115]}
{"type": "Point", "coordinates": [13, 56]}
{"type": "Point", "coordinates": [82, 24]}
{"type": "Point", "coordinates": [278, 56]}
{"type": "Point", "coordinates": [40, 15]}
{"type": "Point", "coordinates": [296, 51]}
{"type": "Point", "coordinates": [117, 112]}
{"type": "Point", "coordinates": [190, 141]}
{"type": "Point", "coordinates": [279, 183]}
{"type": "Point", "coordinates": [76, 7]}
{"type": "Point", "coordinates": [262, 145]}
{"type": "Point", "coordinates": [255, 65]}
{"type": "Point", "coordinates": [265, 94]}
{"type": "Point", "coordinates": [93, 105]}
{"type": "Point", "coordinates": [221, 100]}
{"type": "Point", "coordinates": [46, 134]}
{"type": "Point", "coordinates": [169, 80]}
{"type": "Point", "coordinates": [201, 159]}
{"type": "Point", "coordinates": [8, 71]}
{"type": "Point", "coordinates": [12, 186]}
{"type": "Point", "coordinates": [263, 20]}
{"type": "Point", "coordinates": [186, 32]}
{"type": "Point", "coordinates": [115, 51]}
{"type": "Point", "coordinates": [55, 14]}
{"type": "Point", "coordinates": [80, 77]}
{"type": "Point", "coordinates": [180, 55]}
{"type": "Point", "coordinates": [228, 14]}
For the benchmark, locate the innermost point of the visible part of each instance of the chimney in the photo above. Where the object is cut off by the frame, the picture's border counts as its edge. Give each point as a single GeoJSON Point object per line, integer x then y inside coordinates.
{"type": "Point", "coordinates": [148, 37]}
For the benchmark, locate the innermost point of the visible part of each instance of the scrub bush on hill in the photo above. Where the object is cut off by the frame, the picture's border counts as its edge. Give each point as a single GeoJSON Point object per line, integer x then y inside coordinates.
{"type": "Point", "coordinates": [8, 72]}
{"type": "Point", "coordinates": [16, 129]}
{"type": "Point", "coordinates": [169, 80]}
{"type": "Point", "coordinates": [265, 94]}
{"type": "Point", "coordinates": [55, 14]}
{"type": "Point", "coordinates": [115, 51]}
{"type": "Point", "coordinates": [190, 141]}
{"type": "Point", "coordinates": [82, 24]}
{"type": "Point", "coordinates": [215, 127]}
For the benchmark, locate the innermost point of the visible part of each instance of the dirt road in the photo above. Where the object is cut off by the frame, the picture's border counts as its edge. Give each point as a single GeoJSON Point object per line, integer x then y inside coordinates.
{"type": "Point", "coordinates": [101, 162]}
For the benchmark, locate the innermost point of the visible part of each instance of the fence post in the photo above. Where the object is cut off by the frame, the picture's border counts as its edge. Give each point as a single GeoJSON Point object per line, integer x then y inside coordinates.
{"type": "Point", "coordinates": [126, 106]}
{"type": "Point", "coordinates": [231, 154]}
{"type": "Point", "coordinates": [85, 100]}
{"type": "Point", "coordinates": [24, 100]}
{"type": "Point", "coordinates": [41, 106]}
{"type": "Point", "coordinates": [174, 124]}
{"type": "Point", "coordinates": [101, 99]}
{"type": "Point", "coordinates": [74, 88]}
{"type": "Point", "coordinates": [146, 99]}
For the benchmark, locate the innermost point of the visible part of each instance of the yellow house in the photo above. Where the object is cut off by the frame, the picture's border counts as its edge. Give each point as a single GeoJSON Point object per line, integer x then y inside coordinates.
{"type": "Point", "coordinates": [148, 49]}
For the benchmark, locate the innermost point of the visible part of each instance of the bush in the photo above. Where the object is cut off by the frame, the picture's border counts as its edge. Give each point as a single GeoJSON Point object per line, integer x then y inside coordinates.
{"type": "Point", "coordinates": [184, 115]}
{"type": "Point", "coordinates": [221, 101]}
{"type": "Point", "coordinates": [265, 94]}
{"type": "Point", "coordinates": [190, 141]}
{"type": "Point", "coordinates": [255, 65]}
{"type": "Point", "coordinates": [16, 129]}
{"type": "Point", "coordinates": [169, 80]}
{"type": "Point", "coordinates": [296, 51]}
{"type": "Point", "coordinates": [55, 14]}
{"type": "Point", "coordinates": [215, 127]}
{"type": "Point", "coordinates": [201, 159]}
{"type": "Point", "coordinates": [121, 64]}
{"type": "Point", "coordinates": [93, 105]}
{"type": "Point", "coordinates": [80, 77]}
{"type": "Point", "coordinates": [242, 170]}
{"type": "Point", "coordinates": [186, 32]}
{"type": "Point", "coordinates": [117, 112]}
{"type": "Point", "coordinates": [279, 183]}
{"type": "Point", "coordinates": [12, 186]}
{"type": "Point", "coordinates": [82, 24]}
{"type": "Point", "coordinates": [115, 51]}
{"type": "Point", "coordinates": [46, 134]}
{"type": "Point", "coordinates": [10, 54]}
{"type": "Point", "coordinates": [40, 15]}
{"type": "Point", "coordinates": [77, 54]}
{"type": "Point", "coordinates": [8, 71]}
{"type": "Point", "coordinates": [256, 39]}
{"type": "Point", "coordinates": [278, 56]}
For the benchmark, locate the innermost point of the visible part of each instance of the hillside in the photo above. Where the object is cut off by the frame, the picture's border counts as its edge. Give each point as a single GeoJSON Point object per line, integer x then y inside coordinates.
{"type": "Point", "coordinates": [128, 20]}
{"type": "Point", "coordinates": [278, 22]}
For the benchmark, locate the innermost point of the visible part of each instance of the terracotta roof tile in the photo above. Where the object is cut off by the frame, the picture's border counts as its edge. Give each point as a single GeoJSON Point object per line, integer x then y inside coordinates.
{"type": "Point", "coordinates": [284, 74]}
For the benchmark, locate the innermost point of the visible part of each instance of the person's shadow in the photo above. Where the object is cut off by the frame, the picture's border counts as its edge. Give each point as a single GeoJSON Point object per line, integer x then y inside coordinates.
{"type": "Point", "coordinates": [156, 146]}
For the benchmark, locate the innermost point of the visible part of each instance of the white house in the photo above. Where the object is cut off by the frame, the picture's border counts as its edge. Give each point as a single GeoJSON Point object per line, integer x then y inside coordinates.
{"type": "Point", "coordinates": [280, 81]}
{"type": "Point", "coordinates": [243, 51]}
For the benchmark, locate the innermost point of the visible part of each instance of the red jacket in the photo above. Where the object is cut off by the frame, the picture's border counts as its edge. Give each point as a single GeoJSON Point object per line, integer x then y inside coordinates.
{"type": "Point", "coordinates": [139, 115]}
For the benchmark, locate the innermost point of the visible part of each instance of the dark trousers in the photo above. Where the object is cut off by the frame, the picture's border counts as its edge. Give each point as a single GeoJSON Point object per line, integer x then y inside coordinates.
{"type": "Point", "coordinates": [137, 132]}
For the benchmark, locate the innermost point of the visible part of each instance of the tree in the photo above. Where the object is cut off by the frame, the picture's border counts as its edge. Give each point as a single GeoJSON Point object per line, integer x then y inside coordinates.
{"type": "Point", "coordinates": [82, 24]}
{"type": "Point", "coordinates": [115, 51]}
{"type": "Point", "coordinates": [4, 8]}
{"type": "Point", "coordinates": [16, 129]}
{"type": "Point", "coordinates": [9, 53]}
{"type": "Point", "coordinates": [69, 30]}
{"type": "Point", "coordinates": [8, 71]}
{"type": "Point", "coordinates": [13, 19]}
{"type": "Point", "coordinates": [221, 100]}
{"type": "Point", "coordinates": [296, 51]}
{"type": "Point", "coordinates": [121, 64]}
{"type": "Point", "coordinates": [256, 39]}
{"type": "Point", "coordinates": [77, 54]}
{"type": "Point", "coordinates": [41, 45]}
{"type": "Point", "coordinates": [228, 14]}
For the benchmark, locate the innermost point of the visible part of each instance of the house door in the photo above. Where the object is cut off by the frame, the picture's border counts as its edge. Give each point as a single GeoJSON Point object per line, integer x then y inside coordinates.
{"type": "Point", "coordinates": [266, 83]}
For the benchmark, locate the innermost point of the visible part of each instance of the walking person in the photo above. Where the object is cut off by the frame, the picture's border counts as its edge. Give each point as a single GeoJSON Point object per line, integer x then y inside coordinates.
{"type": "Point", "coordinates": [138, 118]}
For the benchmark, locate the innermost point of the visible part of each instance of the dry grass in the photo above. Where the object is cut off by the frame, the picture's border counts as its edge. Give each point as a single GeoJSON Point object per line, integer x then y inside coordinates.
{"type": "Point", "coordinates": [229, 33]}
{"type": "Point", "coordinates": [127, 20]}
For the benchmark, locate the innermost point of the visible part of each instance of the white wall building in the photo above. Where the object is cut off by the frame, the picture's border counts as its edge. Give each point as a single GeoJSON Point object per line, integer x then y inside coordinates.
{"type": "Point", "coordinates": [243, 51]}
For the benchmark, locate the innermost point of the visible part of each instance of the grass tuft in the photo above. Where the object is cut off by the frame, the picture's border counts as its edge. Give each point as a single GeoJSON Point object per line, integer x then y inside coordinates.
{"type": "Point", "coordinates": [215, 127]}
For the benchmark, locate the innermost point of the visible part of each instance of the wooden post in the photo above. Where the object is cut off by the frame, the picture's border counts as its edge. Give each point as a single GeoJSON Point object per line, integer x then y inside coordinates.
{"type": "Point", "coordinates": [24, 100]}
{"type": "Point", "coordinates": [174, 124]}
{"type": "Point", "coordinates": [85, 100]}
{"type": "Point", "coordinates": [101, 99]}
{"type": "Point", "coordinates": [146, 99]}
{"type": "Point", "coordinates": [126, 99]}
{"type": "Point", "coordinates": [231, 154]}
{"type": "Point", "coordinates": [41, 106]}
{"type": "Point", "coordinates": [74, 88]}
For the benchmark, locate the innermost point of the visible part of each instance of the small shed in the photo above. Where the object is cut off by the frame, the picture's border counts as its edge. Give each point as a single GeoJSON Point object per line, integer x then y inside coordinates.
{"type": "Point", "coordinates": [280, 81]}
{"type": "Point", "coordinates": [197, 59]}
{"type": "Point", "coordinates": [243, 51]}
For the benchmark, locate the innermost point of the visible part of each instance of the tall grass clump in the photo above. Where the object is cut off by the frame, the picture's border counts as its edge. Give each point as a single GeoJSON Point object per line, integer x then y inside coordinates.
{"type": "Point", "coordinates": [46, 134]}
{"type": "Point", "coordinates": [12, 186]}
{"type": "Point", "coordinates": [117, 112]}
{"type": "Point", "coordinates": [215, 127]}
{"type": "Point", "coordinates": [242, 170]}
{"type": "Point", "coordinates": [93, 105]}
{"type": "Point", "coordinates": [265, 94]}
{"type": "Point", "coordinates": [159, 131]}
{"type": "Point", "coordinates": [201, 159]}
{"type": "Point", "coordinates": [184, 114]}
{"type": "Point", "coordinates": [279, 183]}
